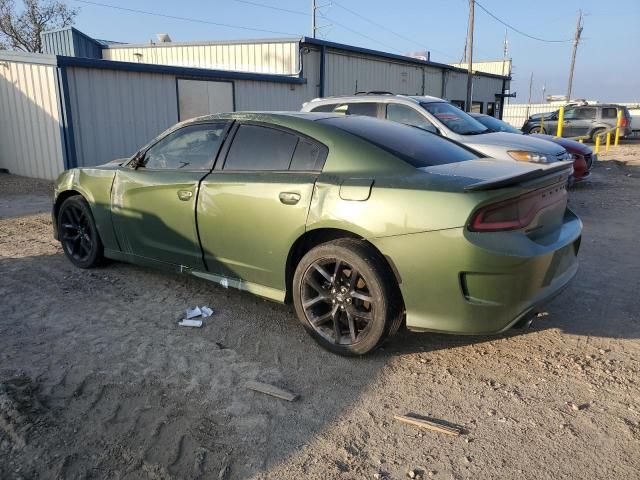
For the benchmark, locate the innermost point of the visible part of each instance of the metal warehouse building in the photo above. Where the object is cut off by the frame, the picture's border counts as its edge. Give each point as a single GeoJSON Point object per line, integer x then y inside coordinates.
{"type": "Point", "coordinates": [85, 102]}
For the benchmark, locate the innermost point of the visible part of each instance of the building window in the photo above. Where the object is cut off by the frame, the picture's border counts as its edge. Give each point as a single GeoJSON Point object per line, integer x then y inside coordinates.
{"type": "Point", "coordinates": [476, 107]}
{"type": "Point", "coordinates": [458, 103]}
{"type": "Point", "coordinates": [491, 108]}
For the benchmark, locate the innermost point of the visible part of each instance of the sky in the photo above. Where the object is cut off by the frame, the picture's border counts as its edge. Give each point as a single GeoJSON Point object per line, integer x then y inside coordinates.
{"type": "Point", "coordinates": [607, 64]}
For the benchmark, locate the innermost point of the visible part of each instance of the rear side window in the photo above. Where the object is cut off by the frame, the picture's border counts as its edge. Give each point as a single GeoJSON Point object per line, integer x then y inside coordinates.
{"type": "Point", "coordinates": [260, 148]}
{"type": "Point", "coordinates": [416, 147]}
{"type": "Point", "coordinates": [309, 155]}
{"type": "Point", "coordinates": [609, 112]}
{"type": "Point", "coordinates": [324, 108]}
{"type": "Point", "coordinates": [407, 115]}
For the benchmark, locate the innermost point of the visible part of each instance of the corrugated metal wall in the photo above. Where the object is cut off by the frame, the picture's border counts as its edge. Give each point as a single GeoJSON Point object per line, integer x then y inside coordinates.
{"type": "Point", "coordinates": [71, 43]}
{"type": "Point", "coordinates": [347, 74]}
{"type": "Point", "coordinates": [114, 113]}
{"type": "Point", "coordinates": [456, 86]}
{"type": "Point", "coordinates": [30, 133]}
{"type": "Point", "coordinates": [275, 57]}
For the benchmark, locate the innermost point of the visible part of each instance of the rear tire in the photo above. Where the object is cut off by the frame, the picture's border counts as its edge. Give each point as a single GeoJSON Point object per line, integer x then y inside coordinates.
{"type": "Point", "coordinates": [78, 233]}
{"type": "Point", "coordinates": [346, 297]}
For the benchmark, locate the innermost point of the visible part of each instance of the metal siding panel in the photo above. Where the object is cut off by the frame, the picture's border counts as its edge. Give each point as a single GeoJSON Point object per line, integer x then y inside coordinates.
{"type": "Point", "coordinates": [278, 58]}
{"type": "Point", "coordinates": [30, 144]}
{"type": "Point", "coordinates": [127, 109]}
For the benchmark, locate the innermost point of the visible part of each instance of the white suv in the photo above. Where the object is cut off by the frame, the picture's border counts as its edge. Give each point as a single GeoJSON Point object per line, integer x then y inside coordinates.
{"type": "Point", "coordinates": [439, 116]}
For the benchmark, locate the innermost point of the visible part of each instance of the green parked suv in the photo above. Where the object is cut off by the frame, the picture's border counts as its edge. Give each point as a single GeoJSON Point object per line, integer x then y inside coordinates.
{"type": "Point", "coordinates": [360, 223]}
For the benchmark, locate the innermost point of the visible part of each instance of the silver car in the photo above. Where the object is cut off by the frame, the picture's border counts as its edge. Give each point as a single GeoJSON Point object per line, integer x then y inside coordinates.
{"type": "Point", "coordinates": [439, 116]}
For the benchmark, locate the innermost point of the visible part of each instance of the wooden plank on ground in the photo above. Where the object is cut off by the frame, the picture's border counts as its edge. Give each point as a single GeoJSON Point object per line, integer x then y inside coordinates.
{"type": "Point", "coordinates": [429, 424]}
{"type": "Point", "coordinates": [271, 390]}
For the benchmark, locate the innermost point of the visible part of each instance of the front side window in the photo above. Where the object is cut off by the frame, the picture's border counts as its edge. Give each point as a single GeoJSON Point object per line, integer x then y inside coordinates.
{"type": "Point", "coordinates": [260, 148]}
{"type": "Point", "coordinates": [580, 114]}
{"type": "Point", "coordinates": [454, 118]}
{"type": "Point", "coordinates": [408, 116]}
{"type": "Point", "coordinates": [190, 148]}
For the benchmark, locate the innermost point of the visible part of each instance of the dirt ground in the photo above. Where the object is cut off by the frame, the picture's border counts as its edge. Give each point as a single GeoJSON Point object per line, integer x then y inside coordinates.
{"type": "Point", "coordinates": [98, 381]}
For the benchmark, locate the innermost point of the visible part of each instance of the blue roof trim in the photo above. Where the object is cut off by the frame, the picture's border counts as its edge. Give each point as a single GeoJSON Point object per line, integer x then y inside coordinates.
{"type": "Point", "coordinates": [393, 56]}
{"type": "Point", "coordinates": [175, 70]}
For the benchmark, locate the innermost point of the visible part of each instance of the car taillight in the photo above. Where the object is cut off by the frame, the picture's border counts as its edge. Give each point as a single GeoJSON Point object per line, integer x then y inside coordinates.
{"type": "Point", "coordinates": [515, 213]}
{"type": "Point", "coordinates": [624, 122]}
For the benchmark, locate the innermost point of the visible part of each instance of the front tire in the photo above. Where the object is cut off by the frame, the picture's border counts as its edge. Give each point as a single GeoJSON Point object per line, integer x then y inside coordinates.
{"type": "Point", "coordinates": [346, 297]}
{"type": "Point", "coordinates": [537, 130]}
{"type": "Point", "coordinates": [78, 233]}
{"type": "Point", "coordinates": [596, 133]}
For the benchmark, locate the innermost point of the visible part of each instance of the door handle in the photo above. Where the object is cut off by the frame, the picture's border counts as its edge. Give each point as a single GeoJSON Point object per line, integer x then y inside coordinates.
{"type": "Point", "coordinates": [289, 198]}
{"type": "Point", "coordinates": [185, 195]}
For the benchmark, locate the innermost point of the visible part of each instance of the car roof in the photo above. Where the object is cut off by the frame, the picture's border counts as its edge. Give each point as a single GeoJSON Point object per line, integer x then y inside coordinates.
{"type": "Point", "coordinates": [384, 97]}
{"type": "Point", "coordinates": [260, 115]}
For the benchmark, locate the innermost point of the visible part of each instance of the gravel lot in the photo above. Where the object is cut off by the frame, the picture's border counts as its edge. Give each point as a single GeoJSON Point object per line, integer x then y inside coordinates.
{"type": "Point", "coordinates": [98, 381]}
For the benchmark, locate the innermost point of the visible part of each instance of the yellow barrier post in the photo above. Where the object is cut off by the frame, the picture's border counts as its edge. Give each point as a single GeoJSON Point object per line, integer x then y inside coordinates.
{"type": "Point", "coordinates": [560, 122]}
{"type": "Point", "coordinates": [597, 144]}
{"type": "Point", "coordinates": [542, 123]}
{"type": "Point", "coordinates": [581, 140]}
{"type": "Point", "coordinates": [608, 141]}
{"type": "Point", "coordinates": [618, 127]}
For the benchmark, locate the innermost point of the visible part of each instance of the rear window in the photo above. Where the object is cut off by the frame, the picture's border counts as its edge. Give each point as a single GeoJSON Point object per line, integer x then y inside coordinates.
{"type": "Point", "coordinates": [415, 146]}
{"type": "Point", "coordinates": [610, 112]}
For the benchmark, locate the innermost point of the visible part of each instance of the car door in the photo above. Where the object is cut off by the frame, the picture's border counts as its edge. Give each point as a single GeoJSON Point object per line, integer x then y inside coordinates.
{"type": "Point", "coordinates": [153, 205]}
{"type": "Point", "coordinates": [578, 121]}
{"type": "Point", "coordinates": [254, 204]}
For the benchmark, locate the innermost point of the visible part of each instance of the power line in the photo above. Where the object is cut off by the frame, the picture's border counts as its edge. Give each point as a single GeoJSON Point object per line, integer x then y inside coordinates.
{"type": "Point", "coordinates": [519, 31]}
{"type": "Point", "coordinates": [358, 33]}
{"type": "Point", "coordinates": [185, 19]}
{"type": "Point", "coordinates": [271, 7]}
{"type": "Point", "coordinates": [386, 28]}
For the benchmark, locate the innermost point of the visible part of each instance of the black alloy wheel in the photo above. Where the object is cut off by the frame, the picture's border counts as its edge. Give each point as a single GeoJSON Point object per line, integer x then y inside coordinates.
{"type": "Point", "coordinates": [78, 234]}
{"type": "Point", "coordinates": [346, 296]}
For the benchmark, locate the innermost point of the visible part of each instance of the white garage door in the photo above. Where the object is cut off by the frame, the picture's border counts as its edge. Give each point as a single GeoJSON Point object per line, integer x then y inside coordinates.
{"type": "Point", "coordinates": [202, 97]}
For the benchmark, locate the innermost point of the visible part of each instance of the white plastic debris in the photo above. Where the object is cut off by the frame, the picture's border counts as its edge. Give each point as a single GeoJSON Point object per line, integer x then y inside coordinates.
{"type": "Point", "coordinates": [224, 282]}
{"type": "Point", "coordinates": [193, 312]}
{"type": "Point", "coordinates": [190, 323]}
{"type": "Point", "coordinates": [206, 311]}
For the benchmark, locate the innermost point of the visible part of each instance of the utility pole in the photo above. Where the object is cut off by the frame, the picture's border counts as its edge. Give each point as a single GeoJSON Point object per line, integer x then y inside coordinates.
{"type": "Point", "coordinates": [530, 88]}
{"type": "Point", "coordinates": [469, 55]}
{"type": "Point", "coordinates": [576, 41]}
{"type": "Point", "coordinates": [314, 8]}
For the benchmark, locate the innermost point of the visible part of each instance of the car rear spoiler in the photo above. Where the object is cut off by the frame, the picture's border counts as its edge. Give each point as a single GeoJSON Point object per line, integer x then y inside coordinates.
{"type": "Point", "coordinates": [511, 180]}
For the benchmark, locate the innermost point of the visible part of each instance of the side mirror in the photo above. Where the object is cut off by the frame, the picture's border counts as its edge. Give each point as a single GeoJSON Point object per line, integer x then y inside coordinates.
{"type": "Point", "coordinates": [136, 161]}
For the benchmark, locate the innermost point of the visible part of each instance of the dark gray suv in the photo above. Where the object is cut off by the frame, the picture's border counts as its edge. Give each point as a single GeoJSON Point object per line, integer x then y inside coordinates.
{"type": "Point", "coordinates": [581, 121]}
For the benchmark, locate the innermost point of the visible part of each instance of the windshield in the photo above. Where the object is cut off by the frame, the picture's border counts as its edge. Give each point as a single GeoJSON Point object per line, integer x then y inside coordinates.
{"type": "Point", "coordinates": [496, 125]}
{"type": "Point", "coordinates": [454, 119]}
{"type": "Point", "coordinates": [415, 146]}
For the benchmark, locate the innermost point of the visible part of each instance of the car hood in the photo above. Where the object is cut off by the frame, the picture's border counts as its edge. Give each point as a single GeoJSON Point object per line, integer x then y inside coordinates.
{"type": "Point", "coordinates": [569, 145]}
{"type": "Point", "coordinates": [513, 141]}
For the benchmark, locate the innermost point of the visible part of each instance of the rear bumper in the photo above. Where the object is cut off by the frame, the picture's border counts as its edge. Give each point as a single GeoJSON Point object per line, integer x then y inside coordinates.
{"type": "Point", "coordinates": [455, 281]}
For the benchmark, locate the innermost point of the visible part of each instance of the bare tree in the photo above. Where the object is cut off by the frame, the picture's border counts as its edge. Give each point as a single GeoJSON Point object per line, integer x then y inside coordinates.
{"type": "Point", "coordinates": [21, 29]}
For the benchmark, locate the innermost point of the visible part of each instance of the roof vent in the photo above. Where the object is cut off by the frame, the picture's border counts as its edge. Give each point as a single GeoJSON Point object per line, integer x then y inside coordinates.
{"type": "Point", "coordinates": [163, 37]}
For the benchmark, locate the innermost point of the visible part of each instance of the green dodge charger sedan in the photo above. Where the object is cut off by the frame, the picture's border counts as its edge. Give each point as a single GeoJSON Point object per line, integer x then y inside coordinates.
{"type": "Point", "coordinates": [362, 224]}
